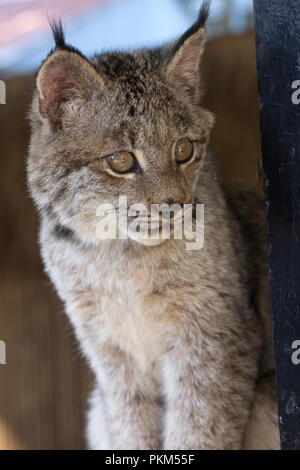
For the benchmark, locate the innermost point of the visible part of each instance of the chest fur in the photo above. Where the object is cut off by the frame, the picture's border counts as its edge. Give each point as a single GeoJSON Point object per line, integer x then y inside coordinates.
{"type": "Point", "coordinates": [125, 321]}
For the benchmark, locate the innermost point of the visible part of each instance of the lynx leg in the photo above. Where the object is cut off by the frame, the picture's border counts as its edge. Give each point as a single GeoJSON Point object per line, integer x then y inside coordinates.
{"type": "Point", "coordinates": [263, 430]}
{"type": "Point", "coordinates": [98, 433]}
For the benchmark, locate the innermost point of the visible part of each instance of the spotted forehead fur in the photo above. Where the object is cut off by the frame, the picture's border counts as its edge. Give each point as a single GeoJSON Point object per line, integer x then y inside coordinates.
{"type": "Point", "coordinates": [137, 80]}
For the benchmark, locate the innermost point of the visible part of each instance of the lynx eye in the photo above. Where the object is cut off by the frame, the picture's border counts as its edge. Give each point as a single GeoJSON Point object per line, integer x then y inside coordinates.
{"type": "Point", "coordinates": [122, 162]}
{"type": "Point", "coordinates": [184, 150]}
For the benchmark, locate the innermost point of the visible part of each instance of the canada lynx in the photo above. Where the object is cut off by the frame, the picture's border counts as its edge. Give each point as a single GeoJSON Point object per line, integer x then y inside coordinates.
{"type": "Point", "coordinates": [179, 340]}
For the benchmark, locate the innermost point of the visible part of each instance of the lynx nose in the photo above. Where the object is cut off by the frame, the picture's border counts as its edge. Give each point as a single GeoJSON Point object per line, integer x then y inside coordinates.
{"type": "Point", "coordinates": [170, 202]}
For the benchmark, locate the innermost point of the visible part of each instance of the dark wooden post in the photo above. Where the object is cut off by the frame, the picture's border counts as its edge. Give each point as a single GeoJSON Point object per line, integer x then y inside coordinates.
{"type": "Point", "coordinates": [277, 25]}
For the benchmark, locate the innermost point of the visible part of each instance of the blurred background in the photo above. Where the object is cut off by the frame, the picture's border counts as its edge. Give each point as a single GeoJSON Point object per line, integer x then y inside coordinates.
{"type": "Point", "coordinates": [95, 25]}
{"type": "Point", "coordinates": [45, 382]}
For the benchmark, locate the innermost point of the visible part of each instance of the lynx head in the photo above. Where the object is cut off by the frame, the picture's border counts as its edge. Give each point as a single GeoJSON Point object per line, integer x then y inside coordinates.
{"type": "Point", "coordinates": [120, 124]}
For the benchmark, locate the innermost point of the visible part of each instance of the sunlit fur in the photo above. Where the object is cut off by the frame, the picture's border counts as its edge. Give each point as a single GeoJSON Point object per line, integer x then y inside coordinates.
{"type": "Point", "coordinates": [177, 339]}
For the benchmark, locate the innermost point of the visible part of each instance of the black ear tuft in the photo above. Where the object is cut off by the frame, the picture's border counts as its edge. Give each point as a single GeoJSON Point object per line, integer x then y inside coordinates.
{"type": "Point", "coordinates": [59, 37]}
{"type": "Point", "coordinates": [200, 23]}
{"type": "Point", "coordinates": [204, 13]}
{"type": "Point", "coordinates": [58, 33]}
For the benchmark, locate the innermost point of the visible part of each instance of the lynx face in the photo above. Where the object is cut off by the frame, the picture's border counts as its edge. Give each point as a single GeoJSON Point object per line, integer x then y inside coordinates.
{"type": "Point", "coordinates": [119, 125]}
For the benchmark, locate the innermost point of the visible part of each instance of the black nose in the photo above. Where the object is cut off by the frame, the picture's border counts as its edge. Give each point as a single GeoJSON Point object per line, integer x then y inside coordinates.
{"type": "Point", "coordinates": [171, 201]}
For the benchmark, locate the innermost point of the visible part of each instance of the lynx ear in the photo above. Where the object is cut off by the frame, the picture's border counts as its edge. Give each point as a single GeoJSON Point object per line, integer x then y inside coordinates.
{"type": "Point", "coordinates": [182, 69]}
{"type": "Point", "coordinates": [64, 75]}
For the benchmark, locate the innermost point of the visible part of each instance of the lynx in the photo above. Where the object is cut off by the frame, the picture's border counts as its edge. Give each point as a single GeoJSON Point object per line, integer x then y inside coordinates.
{"type": "Point", "coordinates": [180, 341]}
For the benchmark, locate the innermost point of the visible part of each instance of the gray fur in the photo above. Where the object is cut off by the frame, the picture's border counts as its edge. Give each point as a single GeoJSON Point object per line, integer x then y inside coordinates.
{"type": "Point", "coordinates": [177, 339]}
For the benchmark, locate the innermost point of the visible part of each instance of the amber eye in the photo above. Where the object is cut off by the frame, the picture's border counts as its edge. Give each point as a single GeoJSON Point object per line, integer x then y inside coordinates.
{"type": "Point", "coordinates": [184, 150]}
{"type": "Point", "coordinates": [122, 162]}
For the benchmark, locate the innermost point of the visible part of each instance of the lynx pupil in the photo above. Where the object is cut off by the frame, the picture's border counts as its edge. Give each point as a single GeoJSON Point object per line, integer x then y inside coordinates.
{"type": "Point", "coordinates": [122, 162]}
{"type": "Point", "coordinates": [184, 150]}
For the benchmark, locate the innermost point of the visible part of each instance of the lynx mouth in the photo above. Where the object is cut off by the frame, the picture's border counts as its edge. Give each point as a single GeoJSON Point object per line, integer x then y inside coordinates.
{"type": "Point", "coordinates": [153, 230]}
{"type": "Point", "coordinates": [146, 241]}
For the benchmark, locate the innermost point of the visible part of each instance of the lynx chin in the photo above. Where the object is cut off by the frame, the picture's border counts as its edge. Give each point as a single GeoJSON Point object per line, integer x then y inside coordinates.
{"type": "Point", "coordinates": [180, 341]}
